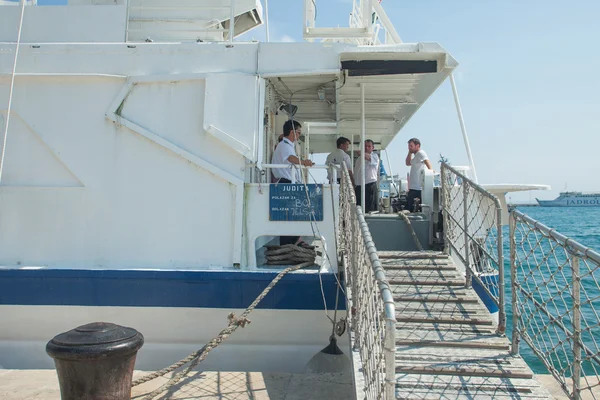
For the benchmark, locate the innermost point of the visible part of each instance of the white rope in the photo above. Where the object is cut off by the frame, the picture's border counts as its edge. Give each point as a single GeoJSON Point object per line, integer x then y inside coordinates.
{"type": "Point", "coordinates": [10, 92]}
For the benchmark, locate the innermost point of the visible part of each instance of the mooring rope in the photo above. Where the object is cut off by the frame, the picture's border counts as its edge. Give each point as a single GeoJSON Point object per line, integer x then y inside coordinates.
{"type": "Point", "coordinates": [290, 254]}
{"type": "Point", "coordinates": [412, 230]}
{"type": "Point", "coordinates": [198, 356]}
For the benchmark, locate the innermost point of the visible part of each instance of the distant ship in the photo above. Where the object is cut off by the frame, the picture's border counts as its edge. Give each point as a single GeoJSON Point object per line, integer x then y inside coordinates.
{"type": "Point", "coordinates": [572, 199]}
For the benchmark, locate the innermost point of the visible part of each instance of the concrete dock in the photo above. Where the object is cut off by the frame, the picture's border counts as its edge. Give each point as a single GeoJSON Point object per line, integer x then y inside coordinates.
{"type": "Point", "coordinates": [43, 385]}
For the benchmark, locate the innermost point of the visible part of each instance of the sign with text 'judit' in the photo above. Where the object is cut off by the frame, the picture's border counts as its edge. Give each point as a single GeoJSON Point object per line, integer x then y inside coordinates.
{"type": "Point", "coordinates": [295, 202]}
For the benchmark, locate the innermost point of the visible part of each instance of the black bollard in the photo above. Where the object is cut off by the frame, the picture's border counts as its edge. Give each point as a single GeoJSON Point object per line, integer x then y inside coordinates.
{"type": "Point", "coordinates": [95, 361]}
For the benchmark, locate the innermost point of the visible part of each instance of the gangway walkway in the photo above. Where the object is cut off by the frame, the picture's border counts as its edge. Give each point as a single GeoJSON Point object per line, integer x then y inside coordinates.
{"type": "Point", "coordinates": [446, 341]}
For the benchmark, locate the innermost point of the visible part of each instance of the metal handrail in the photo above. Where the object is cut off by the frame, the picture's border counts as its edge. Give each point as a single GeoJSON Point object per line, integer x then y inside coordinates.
{"type": "Point", "coordinates": [369, 298]}
{"type": "Point", "coordinates": [565, 241]}
{"type": "Point", "coordinates": [471, 217]}
{"type": "Point", "coordinates": [334, 168]}
{"type": "Point", "coordinates": [555, 312]}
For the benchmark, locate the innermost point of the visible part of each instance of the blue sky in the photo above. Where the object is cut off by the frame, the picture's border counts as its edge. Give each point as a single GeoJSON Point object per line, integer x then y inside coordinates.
{"type": "Point", "coordinates": [528, 81]}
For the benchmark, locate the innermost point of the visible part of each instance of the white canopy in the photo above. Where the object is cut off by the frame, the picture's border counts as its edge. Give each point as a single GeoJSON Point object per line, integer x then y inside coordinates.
{"type": "Point", "coordinates": [398, 80]}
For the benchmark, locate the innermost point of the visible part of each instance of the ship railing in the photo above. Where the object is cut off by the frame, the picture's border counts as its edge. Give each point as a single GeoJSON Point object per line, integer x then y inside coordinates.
{"type": "Point", "coordinates": [555, 300]}
{"type": "Point", "coordinates": [295, 169]}
{"type": "Point", "coordinates": [368, 24]}
{"type": "Point", "coordinates": [370, 304]}
{"type": "Point", "coordinates": [472, 219]}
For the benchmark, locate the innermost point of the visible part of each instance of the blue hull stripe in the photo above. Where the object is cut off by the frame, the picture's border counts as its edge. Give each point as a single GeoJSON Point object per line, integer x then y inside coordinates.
{"type": "Point", "coordinates": [137, 288]}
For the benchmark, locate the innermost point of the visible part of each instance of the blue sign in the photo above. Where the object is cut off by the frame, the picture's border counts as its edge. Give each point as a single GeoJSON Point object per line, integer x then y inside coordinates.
{"type": "Point", "coordinates": [295, 202]}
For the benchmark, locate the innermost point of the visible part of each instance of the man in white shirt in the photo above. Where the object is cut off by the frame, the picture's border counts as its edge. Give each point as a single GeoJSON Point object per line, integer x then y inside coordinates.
{"type": "Point", "coordinates": [416, 159]}
{"type": "Point", "coordinates": [285, 153]}
{"type": "Point", "coordinates": [339, 156]}
{"type": "Point", "coordinates": [371, 175]}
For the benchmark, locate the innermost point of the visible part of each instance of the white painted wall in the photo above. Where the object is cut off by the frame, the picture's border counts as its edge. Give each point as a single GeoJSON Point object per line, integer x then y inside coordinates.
{"type": "Point", "coordinates": [233, 111]}
{"type": "Point", "coordinates": [175, 112]}
{"type": "Point", "coordinates": [80, 191]}
{"type": "Point", "coordinates": [49, 24]}
{"type": "Point", "coordinates": [161, 58]}
{"type": "Point", "coordinates": [83, 192]}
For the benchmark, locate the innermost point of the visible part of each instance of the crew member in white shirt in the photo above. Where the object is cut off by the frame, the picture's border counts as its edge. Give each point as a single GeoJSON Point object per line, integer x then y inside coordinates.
{"type": "Point", "coordinates": [339, 156]}
{"type": "Point", "coordinates": [285, 153]}
{"type": "Point", "coordinates": [371, 172]}
{"type": "Point", "coordinates": [417, 160]}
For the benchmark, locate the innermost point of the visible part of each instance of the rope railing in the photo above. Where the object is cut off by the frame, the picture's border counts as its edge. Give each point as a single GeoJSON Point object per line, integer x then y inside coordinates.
{"type": "Point", "coordinates": [372, 315]}
{"type": "Point", "coordinates": [555, 284]}
{"type": "Point", "coordinates": [473, 234]}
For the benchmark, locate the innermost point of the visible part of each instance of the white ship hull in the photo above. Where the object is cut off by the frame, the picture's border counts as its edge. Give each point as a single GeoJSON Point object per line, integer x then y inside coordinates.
{"type": "Point", "coordinates": [275, 340]}
{"type": "Point", "coordinates": [176, 311]}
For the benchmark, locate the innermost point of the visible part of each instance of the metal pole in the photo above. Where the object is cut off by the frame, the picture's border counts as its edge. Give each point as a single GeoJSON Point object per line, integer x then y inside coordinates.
{"type": "Point", "coordinates": [516, 338]}
{"type": "Point", "coordinates": [387, 157]}
{"type": "Point", "coordinates": [306, 153]}
{"type": "Point", "coordinates": [267, 19]}
{"type": "Point", "coordinates": [390, 358]}
{"type": "Point", "coordinates": [390, 31]}
{"type": "Point", "coordinates": [354, 237]}
{"type": "Point", "coordinates": [445, 211]}
{"type": "Point", "coordinates": [232, 23]}
{"type": "Point", "coordinates": [11, 88]}
{"type": "Point", "coordinates": [363, 13]}
{"type": "Point", "coordinates": [463, 128]}
{"type": "Point", "coordinates": [500, 249]}
{"type": "Point", "coordinates": [468, 275]}
{"type": "Point", "coordinates": [576, 328]}
{"type": "Point", "coordinates": [352, 153]}
{"type": "Point", "coordinates": [127, 5]}
{"type": "Point", "coordinates": [366, 11]}
{"type": "Point", "coordinates": [362, 142]}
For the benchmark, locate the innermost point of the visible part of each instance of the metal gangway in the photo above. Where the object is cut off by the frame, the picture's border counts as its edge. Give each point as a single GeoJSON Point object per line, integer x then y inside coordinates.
{"type": "Point", "coordinates": [419, 329]}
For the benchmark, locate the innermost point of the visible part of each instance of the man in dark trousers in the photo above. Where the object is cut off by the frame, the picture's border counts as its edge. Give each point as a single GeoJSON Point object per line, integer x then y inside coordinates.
{"type": "Point", "coordinates": [371, 176]}
{"type": "Point", "coordinates": [417, 160]}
